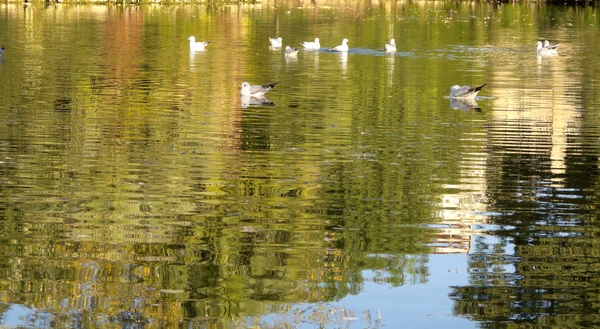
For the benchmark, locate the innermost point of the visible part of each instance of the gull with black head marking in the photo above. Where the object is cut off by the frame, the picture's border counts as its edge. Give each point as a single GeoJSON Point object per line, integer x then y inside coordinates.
{"type": "Point", "coordinates": [256, 90]}
{"type": "Point", "coordinates": [465, 92]}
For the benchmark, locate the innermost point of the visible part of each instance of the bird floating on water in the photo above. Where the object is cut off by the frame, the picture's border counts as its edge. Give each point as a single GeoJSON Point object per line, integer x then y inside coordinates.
{"type": "Point", "coordinates": [541, 50]}
{"type": "Point", "coordinates": [256, 90]}
{"type": "Point", "coordinates": [289, 51]}
{"type": "Point", "coordinates": [312, 45]}
{"type": "Point", "coordinates": [391, 47]}
{"type": "Point", "coordinates": [465, 92]}
{"type": "Point", "coordinates": [553, 47]}
{"type": "Point", "coordinates": [197, 46]}
{"type": "Point", "coordinates": [276, 42]}
{"type": "Point", "coordinates": [342, 47]}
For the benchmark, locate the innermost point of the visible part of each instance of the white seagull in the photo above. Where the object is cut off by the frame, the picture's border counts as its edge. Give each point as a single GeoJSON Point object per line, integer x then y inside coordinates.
{"type": "Point", "coordinates": [465, 92]}
{"type": "Point", "coordinates": [553, 47]}
{"type": "Point", "coordinates": [544, 51]}
{"type": "Point", "coordinates": [289, 51]}
{"type": "Point", "coordinates": [390, 46]}
{"type": "Point", "coordinates": [256, 90]}
{"type": "Point", "coordinates": [276, 42]}
{"type": "Point", "coordinates": [312, 45]}
{"type": "Point", "coordinates": [342, 47]}
{"type": "Point", "coordinates": [194, 46]}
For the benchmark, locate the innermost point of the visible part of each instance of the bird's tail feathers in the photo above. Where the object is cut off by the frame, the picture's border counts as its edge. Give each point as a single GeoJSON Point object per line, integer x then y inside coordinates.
{"type": "Point", "coordinates": [480, 87]}
{"type": "Point", "coordinates": [271, 85]}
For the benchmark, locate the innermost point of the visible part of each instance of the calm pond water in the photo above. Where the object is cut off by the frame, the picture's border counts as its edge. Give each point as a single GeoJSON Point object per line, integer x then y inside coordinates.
{"type": "Point", "coordinates": [138, 191]}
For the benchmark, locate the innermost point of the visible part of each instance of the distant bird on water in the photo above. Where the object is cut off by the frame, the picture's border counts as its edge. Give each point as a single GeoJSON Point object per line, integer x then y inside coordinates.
{"type": "Point", "coordinates": [465, 92]}
{"type": "Point", "coordinates": [276, 42]}
{"type": "Point", "coordinates": [256, 90]}
{"type": "Point", "coordinates": [1, 50]}
{"type": "Point", "coordinates": [196, 46]}
{"type": "Point", "coordinates": [553, 47]}
{"type": "Point", "coordinates": [312, 45]}
{"type": "Point", "coordinates": [342, 47]}
{"type": "Point", "coordinates": [289, 51]}
{"type": "Point", "coordinates": [541, 50]}
{"type": "Point", "coordinates": [391, 47]}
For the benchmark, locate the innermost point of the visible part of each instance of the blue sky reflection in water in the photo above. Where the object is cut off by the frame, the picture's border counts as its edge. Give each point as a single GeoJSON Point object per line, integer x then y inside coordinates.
{"type": "Point", "coordinates": [136, 189]}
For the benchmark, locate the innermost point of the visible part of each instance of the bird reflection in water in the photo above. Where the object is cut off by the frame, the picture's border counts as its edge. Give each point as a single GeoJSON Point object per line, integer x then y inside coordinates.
{"type": "Point", "coordinates": [194, 56]}
{"type": "Point", "coordinates": [248, 101]}
{"type": "Point", "coordinates": [465, 104]}
{"type": "Point", "coordinates": [344, 61]}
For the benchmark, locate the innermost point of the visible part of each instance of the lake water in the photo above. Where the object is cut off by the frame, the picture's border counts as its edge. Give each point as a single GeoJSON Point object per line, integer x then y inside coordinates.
{"type": "Point", "coordinates": [137, 190]}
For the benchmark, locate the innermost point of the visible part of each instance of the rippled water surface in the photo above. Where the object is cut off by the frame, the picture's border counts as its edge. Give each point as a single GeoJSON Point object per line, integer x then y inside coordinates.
{"type": "Point", "coordinates": [138, 190]}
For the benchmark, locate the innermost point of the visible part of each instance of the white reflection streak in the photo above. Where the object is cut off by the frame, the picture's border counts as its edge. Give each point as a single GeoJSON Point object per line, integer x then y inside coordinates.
{"type": "Point", "coordinates": [390, 58]}
{"type": "Point", "coordinates": [192, 64]}
{"type": "Point", "coordinates": [559, 110]}
{"type": "Point", "coordinates": [562, 116]}
{"type": "Point", "coordinates": [291, 60]}
{"type": "Point", "coordinates": [247, 101]}
{"type": "Point", "coordinates": [464, 206]}
{"type": "Point", "coordinates": [460, 212]}
{"type": "Point", "coordinates": [193, 57]}
{"type": "Point", "coordinates": [315, 55]}
{"type": "Point", "coordinates": [344, 61]}
{"type": "Point", "coordinates": [464, 104]}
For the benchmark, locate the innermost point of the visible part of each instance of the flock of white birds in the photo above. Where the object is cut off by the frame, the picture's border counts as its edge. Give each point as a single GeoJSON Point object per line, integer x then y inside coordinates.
{"type": "Point", "coordinates": [456, 92]}
{"type": "Point", "coordinates": [255, 94]}
{"type": "Point", "coordinates": [259, 91]}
